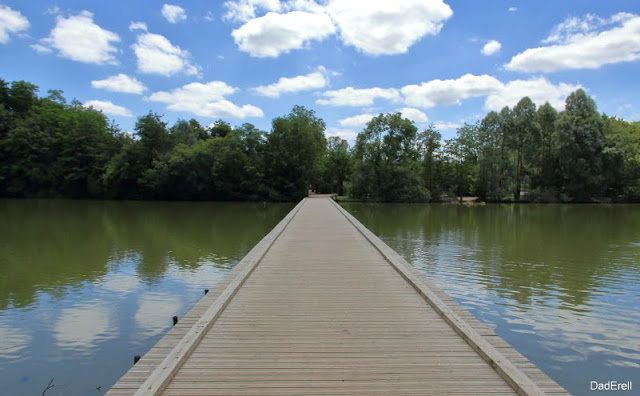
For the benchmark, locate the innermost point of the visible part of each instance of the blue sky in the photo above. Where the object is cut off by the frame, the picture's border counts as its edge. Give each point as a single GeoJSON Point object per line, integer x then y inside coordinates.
{"type": "Point", "coordinates": [444, 62]}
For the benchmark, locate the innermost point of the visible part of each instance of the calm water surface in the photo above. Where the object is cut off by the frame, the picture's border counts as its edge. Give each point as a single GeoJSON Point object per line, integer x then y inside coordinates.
{"type": "Point", "coordinates": [85, 286]}
{"type": "Point", "coordinates": [561, 283]}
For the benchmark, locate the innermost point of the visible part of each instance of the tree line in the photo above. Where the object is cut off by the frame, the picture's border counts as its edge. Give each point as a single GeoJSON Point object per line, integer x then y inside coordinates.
{"type": "Point", "coordinates": [522, 153]}
{"type": "Point", "coordinates": [51, 148]}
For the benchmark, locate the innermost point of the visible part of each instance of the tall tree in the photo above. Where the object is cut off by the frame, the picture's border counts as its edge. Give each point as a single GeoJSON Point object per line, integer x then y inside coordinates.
{"type": "Point", "coordinates": [338, 163]}
{"type": "Point", "coordinates": [580, 142]}
{"type": "Point", "coordinates": [22, 97]}
{"type": "Point", "coordinates": [429, 146]}
{"type": "Point", "coordinates": [622, 158]}
{"type": "Point", "coordinates": [220, 129]}
{"type": "Point", "coordinates": [546, 118]}
{"type": "Point", "coordinates": [524, 140]}
{"type": "Point", "coordinates": [387, 166]}
{"type": "Point", "coordinates": [493, 159]}
{"type": "Point", "coordinates": [187, 132]}
{"type": "Point", "coordinates": [295, 149]}
{"type": "Point", "coordinates": [154, 137]}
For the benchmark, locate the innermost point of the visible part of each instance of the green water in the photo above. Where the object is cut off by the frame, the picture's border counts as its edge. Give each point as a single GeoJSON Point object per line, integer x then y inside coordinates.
{"type": "Point", "coordinates": [85, 286]}
{"type": "Point", "coordinates": [561, 283]}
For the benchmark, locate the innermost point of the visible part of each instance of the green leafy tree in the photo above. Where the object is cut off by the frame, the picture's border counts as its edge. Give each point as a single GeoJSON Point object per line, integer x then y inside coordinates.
{"type": "Point", "coordinates": [524, 141]}
{"type": "Point", "coordinates": [621, 158]}
{"type": "Point", "coordinates": [462, 152]}
{"type": "Point", "coordinates": [22, 97]}
{"type": "Point", "coordinates": [429, 152]}
{"type": "Point", "coordinates": [184, 174]}
{"type": "Point", "coordinates": [337, 168]}
{"type": "Point", "coordinates": [187, 132]}
{"type": "Point", "coordinates": [295, 149]}
{"type": "Point", "coordinates": [124, 169]}
{"type": "Point", "coordinates": [232, 170]}
{"type": "Point", "coordinates": [546, 118]}
{"type": "Point", "coordinates": [580, 143]}
{"type": "Point", "coordinates": [220, 129]}
{"type": "Point", "coordinates": [493, 159]}
{"type": "Point", "coordinates": [87, 145]}
{"type": "Point", "coordinates": [387, 161]}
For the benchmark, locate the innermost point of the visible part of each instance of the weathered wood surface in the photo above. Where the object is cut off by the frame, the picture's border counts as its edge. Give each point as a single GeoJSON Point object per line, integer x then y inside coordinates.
{"type": "Point", "coordinates": [322, 306]}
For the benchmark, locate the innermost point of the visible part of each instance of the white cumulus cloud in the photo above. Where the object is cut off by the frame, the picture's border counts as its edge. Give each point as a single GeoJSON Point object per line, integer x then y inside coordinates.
{"type": "Point", "coordinates": [206, 100]}
{"type": "Point", "coordinates": [315, 80]}
{"type": "Point", "coordinates": [414, 115]}
{"type": "Point", "coordinates": [173, 13]}
{"type": "Point", "coordinates": [108, 107]}
{"type": "Point", "coordinates": [572, 26]}
{"type": "Point", "coordinates": [245, 10]}
{"type": "Point", "coordinates": [11, 22]}
{"type": "Point", "coordinates": [448, 92]}
{"type": "Point", "coordinates": [157, 55]}
{"type": "Point", "coordinates": [581, 43]}
{"type": "Point", "coordinates": [120, 83]}
{"type": "Point", "coordinates": [374, 27]}
{"type": "Point", "coordinates": [274, 34]}
{"type": "Point", "coordinates": [491, 48]}
{"type": "Point", "coordinates": [358, 97]}
{"type": "Point", "coordinates": [347, 134]}
{"type": "Point", "coordinates": [382, 27]}
{"type": "Point", "coordinates": [443, 126]}
{"type": "Point", "coordinates": [39, 48]}
{"type": "Point", "coordinates": [133, 26]}
{"type": "Point", "coordinates": [540, 90]}
{"type": "Point", "coordinates": [80, 39]}
{"type": "Point", "coordinates": [357, 120]}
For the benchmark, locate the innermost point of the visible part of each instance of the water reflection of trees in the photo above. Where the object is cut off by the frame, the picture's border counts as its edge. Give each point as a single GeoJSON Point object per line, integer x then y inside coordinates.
{"type": "Point", "coordinates": [523, 252]}
{"type": "Point", "coordinates": [54, 245]}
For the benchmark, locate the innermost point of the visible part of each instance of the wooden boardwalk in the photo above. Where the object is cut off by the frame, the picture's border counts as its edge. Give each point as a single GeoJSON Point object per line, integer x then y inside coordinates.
{"type": "Point", "coordinates": [323, 307]}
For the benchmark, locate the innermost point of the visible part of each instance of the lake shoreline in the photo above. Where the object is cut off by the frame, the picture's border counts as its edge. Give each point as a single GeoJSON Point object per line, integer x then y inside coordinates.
{"type": "Point", "coordinates": [475, 201]}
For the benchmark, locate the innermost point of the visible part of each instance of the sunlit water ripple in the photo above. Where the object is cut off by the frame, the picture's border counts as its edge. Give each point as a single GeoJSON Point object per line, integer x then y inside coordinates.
{"type": "Point", "coordinates": [85, 286]}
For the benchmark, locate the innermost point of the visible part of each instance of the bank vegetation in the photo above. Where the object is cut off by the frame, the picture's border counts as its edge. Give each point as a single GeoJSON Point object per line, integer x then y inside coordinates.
{"type": "Point", "coordinates": [51, 148]}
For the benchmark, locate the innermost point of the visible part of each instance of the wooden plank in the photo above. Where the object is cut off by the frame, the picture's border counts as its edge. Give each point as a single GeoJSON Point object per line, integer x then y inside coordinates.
{"type": "Point", "coordinates": [514, 376]}
{"type": "Point", "coordinates": [328, 311]}
{"type": "Point", "coordinates": [160, 377]}
{"type": "Point", "coordinates": [324, 284]}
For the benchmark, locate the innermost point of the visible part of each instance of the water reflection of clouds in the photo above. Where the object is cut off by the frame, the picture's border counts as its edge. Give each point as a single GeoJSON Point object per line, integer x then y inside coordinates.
{"type": "Point", "coordinates": [84, 325]}
{"type": "Point", "coordinates": [120, 282]}
{"type": "Point", "coordinates": [154, 313]}
{"type": "Point", "coordinates": [599, 334]}
{"type": "Point", "coordinates": [606, 329]}
{"type": "Point", "coordinates": [14, 340]}
{"type": "Point", "coordinates": [205, 275]}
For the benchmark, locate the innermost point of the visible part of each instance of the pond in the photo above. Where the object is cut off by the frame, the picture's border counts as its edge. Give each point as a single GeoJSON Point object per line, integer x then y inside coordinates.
{"type": "Point", "coordinates": [86, 285]}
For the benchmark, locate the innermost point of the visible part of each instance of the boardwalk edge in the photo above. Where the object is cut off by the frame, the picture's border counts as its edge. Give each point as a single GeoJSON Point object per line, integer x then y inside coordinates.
{"type": "Point", "coordinates": [164, 372]}
{"type": "Point", "coordinates": [518, 380]}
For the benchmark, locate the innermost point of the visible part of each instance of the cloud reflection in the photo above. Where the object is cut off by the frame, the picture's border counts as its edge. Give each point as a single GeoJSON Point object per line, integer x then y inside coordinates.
{"type": "Point", "coordinates": [154, 313]}
{"type": "Point", "coordinates": [207, 274]}
{"type": "Point", "coordinates": [83, 326]}
{"type": "Point", "coordinates": [14, 340]}
{"type": "Point", "coordinates": [121, 283]}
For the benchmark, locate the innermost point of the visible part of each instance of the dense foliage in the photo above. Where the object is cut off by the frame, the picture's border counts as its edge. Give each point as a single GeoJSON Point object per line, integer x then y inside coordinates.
{"type": "Point", "coordinates": [49, 148]}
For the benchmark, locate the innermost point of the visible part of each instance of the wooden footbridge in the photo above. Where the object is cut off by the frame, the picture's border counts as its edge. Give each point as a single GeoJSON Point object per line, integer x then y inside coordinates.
{"type": "Point", "coordinates": [321, 306]}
